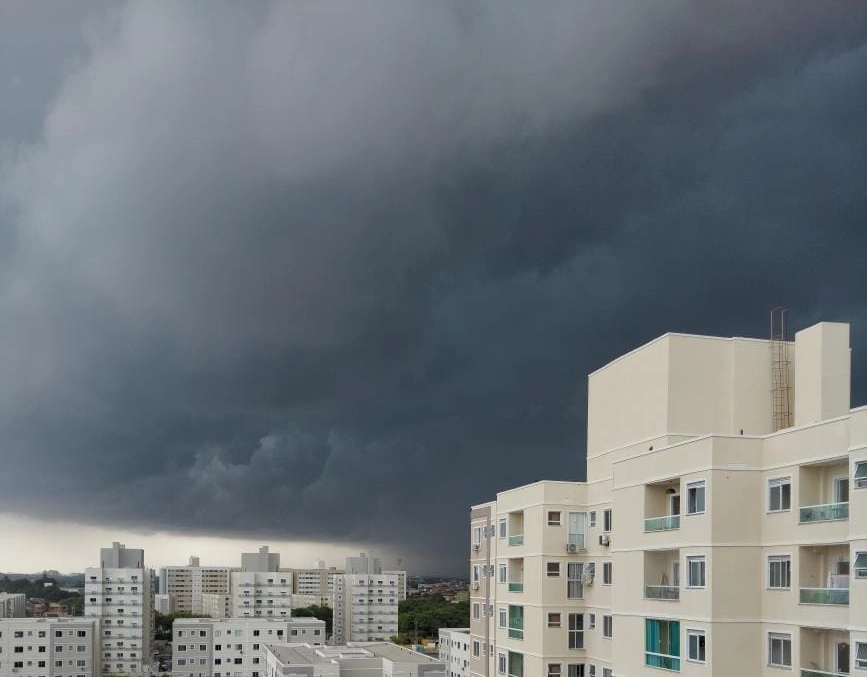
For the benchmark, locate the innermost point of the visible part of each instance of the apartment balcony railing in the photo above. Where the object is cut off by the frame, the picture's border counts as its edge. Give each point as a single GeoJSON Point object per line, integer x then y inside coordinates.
{"type": "Point", "coordinates": [516, 633]}
{"type": "Point", "coordinates": [661, 660]}
{"type": "Point", "coordinates": [517, 539]}
{"type": "Point", "coordinates": [516, 586]}
{"type": "Point", "coordinates": [666, 592]}
{"type": "Point", "coordinates": [824, 513]}
{"type": "Point", "coordinates": [665, 523]}
{"type": "Point", "coordinates": [805, 672]}
{"type": "Point", "coordinates": [834, 596]}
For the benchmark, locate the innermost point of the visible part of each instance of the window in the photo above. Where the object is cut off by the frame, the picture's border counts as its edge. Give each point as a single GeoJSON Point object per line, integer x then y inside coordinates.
{"type": "Point", "coordinates": [516, 622]}
{"type": "Point", "coordinates": [860, 565]}
{"type": "Point", "coordinates": [779, 494]}
{"type": "Point", "coordinates": [502, 577]}
{"type": "Point", "coordinates": [606, 573]}
{"type": "Point", "coordinates": [477, 573]}
{"type": "Point", "coordinates": [608, 626]}
{"type": "Point", "coordinates": [476, 610]}
{"type": "Point", "coordinates": [476, 648]}
{"type": "Point", "coordinates": [662, 644]}
{"type": "Point", "coordinates": [591, 621]}
{"type": "Point", "coordinates": [591, 670]}
{"type": "Point", "coordinates": [574, 587]}
{"type": "Point", "coordinates": [554, 518]}
{"type": "Point", "coordinates": [695, 570]}
{"type": "Point", "coordinates": [606, 672]}
{"type": "Point", "coordinates": [553, 619]}
{"type": "Point", "coordinates": [576, 631]}
{"type": "Point", "coordinates": [553, 569]}
{"type": "Point", "coordinates": [607, 519]}
{"type": "Point", "coordinates": [577, 529]}
{"type": "Point", "coordinates": [695, 649]}
{"type": "Point", "coordinates": [501, 663]}
{"type": "Point", "coordinates": [861, 474]}
{"type": "Point", "coordinates": [555, 669]}
{"type": "Point", "coordinates": [779, 572]}
{"type": "Point", "coordinates": [779, 650]}
{"type": "Point", "coordinates": [861, 655]}
{"type": "Point", "coordinates": [501, 617]}
{"type": "Point", "coordinates": [695, 493]}
{"type": "Point", "coordinates": [477, 536]}
{"type": "Point", "coordinates": [592, 524]}
{"type": "Point", "coordinates": [575, 670]}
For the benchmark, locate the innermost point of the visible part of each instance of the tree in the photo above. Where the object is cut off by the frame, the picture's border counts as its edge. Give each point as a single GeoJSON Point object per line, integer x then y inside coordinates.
{"type": "Point", "coordinates": [163, 623]}
{"type": "Point", "coordinates": [323, 613]}
{"type": "Point", "coordinates": [426, 615]}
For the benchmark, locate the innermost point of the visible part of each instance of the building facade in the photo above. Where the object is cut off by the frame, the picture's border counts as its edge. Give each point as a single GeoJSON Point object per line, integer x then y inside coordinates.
{"type": "Point", "coordinates": [318, 582]}
{"type": "Point", "coordinates": [721, 530]}
{"type": "Point", "coordinates": [454, 649]}
{"type": "Point", "coordinates": [365, 607]}
{"type": "Point", "coordinates": [234, 647]}
{"type": "Point", "coordinates": [49, 647]}
{"type": "Point", "coordinates": [118, 594]}
{"type": "Point", "coordinates": [380, 659]}
{"type": "Point", "coordinates": [12, 604]}
{"type": "Point", "coordinates": [261, 593]}
{"type": "Point", "coordinates": [217, 606]}
{"type": "Point", "coordinates": [187, 585]}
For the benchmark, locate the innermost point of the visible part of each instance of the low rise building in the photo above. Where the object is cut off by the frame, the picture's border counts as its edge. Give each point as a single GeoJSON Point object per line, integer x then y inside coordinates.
{"type": "Point", "coordinates": [12, 604]}
{"type": "Point", "coordinates": [49, 647]}
{"type": "Point", "coordinates": [234, 647]}
{"type": "Point", "coordinates": [379, 659]}
{"type": "Point", "coordinates": [454, 651]}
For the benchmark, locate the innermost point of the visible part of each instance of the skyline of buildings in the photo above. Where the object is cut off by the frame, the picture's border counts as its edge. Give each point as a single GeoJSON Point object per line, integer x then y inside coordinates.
{"type": "Point", "coordinates": [720, 531]}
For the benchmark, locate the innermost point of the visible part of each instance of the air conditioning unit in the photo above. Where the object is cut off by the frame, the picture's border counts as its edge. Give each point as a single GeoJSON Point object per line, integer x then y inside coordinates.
{"type": "Point", "coordinates": [604, 539]}
{"type": "Point", "coordinates": [477, 547]}
{"type": "Point", "coordinates": [571, 548]}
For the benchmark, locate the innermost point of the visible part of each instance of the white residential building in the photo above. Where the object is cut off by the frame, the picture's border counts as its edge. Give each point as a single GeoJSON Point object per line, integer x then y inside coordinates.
{"type": "Point", "coordinates": [12, 604]}
{"type": "Point", "coordinates": [163, 604]}
{"type": "Point", "coordinates": [187, 585]}
{"type": "Point", "coordinates": [318, 582]}
{"type": "Point", "coordinates": [119, 594]}
{"type": "Point", "coordinates": [454, 648]}
{"type": "Point", "coordinates": [49, 647]}
{"type": "Point", "coordinates": [365, 607]}
{"type": "Point", "coordinates": [401, 582]}
{"type": "Point", "coordinates": [261, 593]}
{"type": "Point", "coordinates": [217, 606]}
{"type": "Point", "coordinates": [380, 659]}
{"type": "Point", "coordinates": [234, 647]}
{"type": "Point", "coordinates": [264, 560]}
{"type": "Point", "coordinates": [721, 530]}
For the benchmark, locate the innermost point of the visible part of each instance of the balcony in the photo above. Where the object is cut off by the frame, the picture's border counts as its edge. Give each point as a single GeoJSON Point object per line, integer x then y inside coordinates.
{"type": "Point", "coordinates": [661, 660]}
{"type": "Point", "coordinates": [515, 526]}
{"type": "Point", "coordinates": [665, 592]}
{"type": "Point", "coordinates": [516, 587]}
{"type": "Point", "coordinates": [827, 512]}
{"type": "Point", "coordinates": [821, 673]}
{"type": "Point", "coordinates": [838, 596]}
{"type": "Point", "coordinates": [666, 523]}
{"type": "Point", "coordinates": [517, 539]}
{"type": "Point", "coordinates": [516, 622]}
{"type": "Point", "coordinates": [825, 652]}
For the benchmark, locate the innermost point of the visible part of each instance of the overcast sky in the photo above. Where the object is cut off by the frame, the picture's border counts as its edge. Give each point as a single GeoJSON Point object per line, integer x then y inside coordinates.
{"type": "Point", "coordinates": [323, 273]}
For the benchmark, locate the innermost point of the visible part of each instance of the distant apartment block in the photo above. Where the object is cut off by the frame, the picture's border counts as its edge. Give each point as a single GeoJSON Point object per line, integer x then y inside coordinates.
{"type": "Point", "coordinates": [380, 659]}
{"type": "Point", "coordinates": [722, 528]}
{"type": "Point", "coordinates": [217, 606]}
{"type": "Point", "coordinates": [49, 647]}
{"type": "Point", "coordinates": [261, 593]}
{"type": "Point", "coordinates": [264, 560]}
{"type": "Point", "coordinates": [234, 647]}
{"type": "Point", "coordinates": [187, 585]}
{"type": "Point", "coordinates": [454, 650]}
{"type": "Point", "coordinates": [12, 604]}
{"type": "Point", "coordinates": [118, 594]}
{"type": "Point", "coordinates": [317, 582]}
{"type": "Point", "coordinates": [365, 607]}
{"type": "Point", "coordinates": [49, 609]}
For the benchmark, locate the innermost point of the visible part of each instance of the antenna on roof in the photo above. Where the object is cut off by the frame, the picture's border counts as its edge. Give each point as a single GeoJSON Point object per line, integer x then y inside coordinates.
{"type": "Point", "coordinates": [781, 391]}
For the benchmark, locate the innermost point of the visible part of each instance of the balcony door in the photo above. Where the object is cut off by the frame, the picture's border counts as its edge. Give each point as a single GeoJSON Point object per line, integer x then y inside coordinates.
{"type": "Point", "coordinates": [674, 504]}
{"type": "Point", "coordinates": [841, 489]}
{"type": "Point", "coordinates": [843, 657]}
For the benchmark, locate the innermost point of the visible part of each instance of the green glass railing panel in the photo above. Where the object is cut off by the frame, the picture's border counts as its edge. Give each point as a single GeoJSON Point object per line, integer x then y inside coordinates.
{"type": "Point", "coordinates": [836, 596]}
{"type": "Point", "coordinates": [656, 660]}
{"type": "Point", "coordinates": [516, 633]}
{"type": "Point", "coordinates": [516, 540]}
{"type": "Point", "coordinates": [516, 587]}
{"type": "Point", "coordinates": [665, 523]}
{"type": "Point", "coordinates": [824, 513]}
{"type": "Point", "coordinates": [661, 592]}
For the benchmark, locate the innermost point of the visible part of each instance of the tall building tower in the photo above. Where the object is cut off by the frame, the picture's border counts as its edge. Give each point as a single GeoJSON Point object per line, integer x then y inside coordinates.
{"type": "Point", "coordinates": [365, 600]}
{"type": "Point", "coordinates": [186, 586]}
{"type": "Point", "coordinates": [118, 593]}
{"type": "Point", "coordinates": [706, 540]}
{"type": "Point", "coordinates": [264, 560]}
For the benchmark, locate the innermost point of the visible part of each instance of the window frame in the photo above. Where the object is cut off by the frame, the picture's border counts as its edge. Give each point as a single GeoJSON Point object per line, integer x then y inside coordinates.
{"type": "Point", "coordinates": [555, 670]}
{"type": "Point", "coordinates": [699, 635]}
{"type": "Point", "coordinates": [502, 574]}
{"type": "Point", "coordinates": [501, 663]}
{"type": "Point", "coordinates": [502, 617]}
{"type": "Point", "coordinates": [502, 525]}
{"type": "Point", "coordinates": [859, 482]}
{"type": "Point", "coordinates": [552, 573]}
{"type": "Point", "coordinates": [557, 521]}
{"type": "Point", "coordinates": [607, 520]}
{"type": "Point", "coordinates": [607, 626]}
{"type": "Point", "coordinates": [779, 483]}
{"type": "Point", "coordinates": [577, 581]}
{"type": "Point", "coordinates": [607, 573]}
{"type": "Point", "coordinates": [696, 559]}
{"type": "Point", "coordinates": [554, 624]}
{"type": "Point", "coordinates": [695, 485]}
{"type": "Point", "coordinates": [784, 638]}
{"type": "Point", "coordinates": [773, 559]}
{"type": "Point", "coordinates": [575, 634]}
{"type": "Point", "coordinates": [860, 663]}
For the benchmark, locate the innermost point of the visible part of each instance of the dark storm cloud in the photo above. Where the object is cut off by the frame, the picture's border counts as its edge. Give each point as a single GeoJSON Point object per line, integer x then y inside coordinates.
{"type": "Point", "coordinates": [335, 272]}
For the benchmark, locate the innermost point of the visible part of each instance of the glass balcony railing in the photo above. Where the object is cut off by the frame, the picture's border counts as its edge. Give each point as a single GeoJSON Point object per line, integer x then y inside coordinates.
{"type": "Point", "coordinates": [665, 523]}
{"type": "Point", "coordinates": [517, 539]}
{"type": "Point", "coordinates": [516, 633]}
{"type": "Point", "coordinates": [669, 592]}
{"type": "Point", "coordinates": [516, 587]}
{"type": "Point", "coordinates": [824, 513]}
{"type": "Point", "coordinates": [661, 660]}
{"type": "Point", "coordinates": [821, 673]}
{"type": "Point", "coordinates": [836, 596]}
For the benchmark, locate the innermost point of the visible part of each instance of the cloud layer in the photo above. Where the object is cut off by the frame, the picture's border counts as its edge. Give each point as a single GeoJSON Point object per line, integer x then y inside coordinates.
{"type": "Point", "coordinates": [335, 272]}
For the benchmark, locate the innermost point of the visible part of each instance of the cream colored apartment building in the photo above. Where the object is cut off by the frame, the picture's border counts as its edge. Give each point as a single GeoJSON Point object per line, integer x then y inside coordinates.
{"type": "Point", "coordinates": [722, 528]}
{"type": "Point", "coordinates": [49, 647]}
{"type": "Point", "coordinates": [186, 586]}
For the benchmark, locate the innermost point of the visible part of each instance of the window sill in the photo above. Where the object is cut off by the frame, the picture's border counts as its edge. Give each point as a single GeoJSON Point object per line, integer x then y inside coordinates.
{"type": "Point", "coordinates": [695, 514]}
